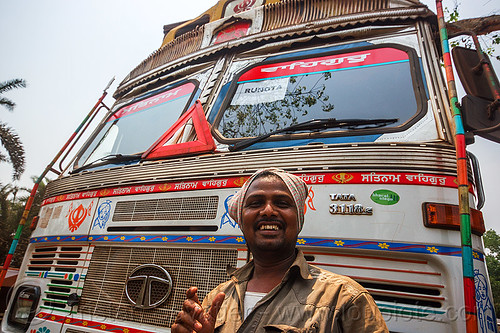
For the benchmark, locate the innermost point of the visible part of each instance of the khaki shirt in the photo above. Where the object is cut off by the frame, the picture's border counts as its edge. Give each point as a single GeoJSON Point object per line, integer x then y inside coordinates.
{"type": "Point", "coordinates": [308, 299]}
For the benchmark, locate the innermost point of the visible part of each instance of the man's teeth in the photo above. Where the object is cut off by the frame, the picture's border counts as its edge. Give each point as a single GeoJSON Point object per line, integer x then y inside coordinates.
{"type": "Point", "coordinates": [269, 227]}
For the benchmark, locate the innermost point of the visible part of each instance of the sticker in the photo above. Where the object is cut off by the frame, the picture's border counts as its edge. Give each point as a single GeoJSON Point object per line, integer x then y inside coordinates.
{"type": "Point", "coordinates": [252, 93]}
{"type": "Point", "coordinates": [45, 217]}
{"type": "Point", "coordinates": [385, 197]}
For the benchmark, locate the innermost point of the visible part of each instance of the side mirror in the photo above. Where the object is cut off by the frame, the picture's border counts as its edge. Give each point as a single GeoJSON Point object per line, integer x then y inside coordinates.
{"type": "Point", "coordinates": [471, 73]}
{"type": "Point", "coordinates": [480, 108]}
{"type": "Point", "coordinates": [475, 118]}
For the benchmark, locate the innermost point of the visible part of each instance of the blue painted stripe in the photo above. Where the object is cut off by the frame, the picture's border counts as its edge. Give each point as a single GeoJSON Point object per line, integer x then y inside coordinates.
{"type": "Point", "coordinates": [319, 51]}
{"type": "Point", "coordinates": [239, 240]}
{"type": "Point", "coordinates": [325, 140]}
{"type": "Point", "coordinates": [468, 268]}
{"type": "Point", "coordinates": [405, 308]}
{"type": "Point", "coordinates": [446, 46]}
{"type": "Point", "coordinates": [459, 125]}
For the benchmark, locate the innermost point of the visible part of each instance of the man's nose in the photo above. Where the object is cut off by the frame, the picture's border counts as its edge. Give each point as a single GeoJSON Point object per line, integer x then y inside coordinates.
{"type": "Point", "coordinates": [268, 209]}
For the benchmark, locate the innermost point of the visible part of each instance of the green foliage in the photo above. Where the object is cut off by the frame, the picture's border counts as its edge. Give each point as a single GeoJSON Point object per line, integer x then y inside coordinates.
{"type": "Point", "coordinates": [452, 15]}
{"type": "Point", "coordinates": [8, 137]}
{"type": "Point", "coordinates": [12, 144]}
{"type": "Point", "coordinates": [494, 40]}
{"type": "Point", "coordinates": [12, 204]}
{"type": "Point", "coordinates": [9, 85]}
{"type": "Point", "coordinates": [489, 42]}
{"type": "Point", "coordinates": [492, 244]}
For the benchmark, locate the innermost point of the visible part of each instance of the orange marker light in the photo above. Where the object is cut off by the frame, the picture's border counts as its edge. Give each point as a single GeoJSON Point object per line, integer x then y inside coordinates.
{"type": "Point", "coordinates": [447, 216]}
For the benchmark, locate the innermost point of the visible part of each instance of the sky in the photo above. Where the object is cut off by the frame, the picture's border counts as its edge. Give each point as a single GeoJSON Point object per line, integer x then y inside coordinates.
{"type": "Point", "coordinates": [68, 51]}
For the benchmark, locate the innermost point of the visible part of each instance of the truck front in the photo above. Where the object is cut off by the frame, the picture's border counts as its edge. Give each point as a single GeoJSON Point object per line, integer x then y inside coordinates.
{"type": "Point", "coordinates": [348, 95]}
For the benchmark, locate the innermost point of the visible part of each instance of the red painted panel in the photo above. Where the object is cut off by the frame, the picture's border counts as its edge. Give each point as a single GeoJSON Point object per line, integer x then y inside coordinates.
{"type": "Point", "coordinates": [326, 63]}
{"type": "Point", "coordinates": [163, 97]}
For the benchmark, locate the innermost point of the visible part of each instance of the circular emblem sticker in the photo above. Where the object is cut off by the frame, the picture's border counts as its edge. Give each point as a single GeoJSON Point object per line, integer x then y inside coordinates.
{"type": "Point", "coordinates": [385, 197]}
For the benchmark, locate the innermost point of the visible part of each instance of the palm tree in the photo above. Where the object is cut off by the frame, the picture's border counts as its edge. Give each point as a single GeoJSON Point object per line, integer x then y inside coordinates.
{"type": "Point", "coordinates": [9, 139]}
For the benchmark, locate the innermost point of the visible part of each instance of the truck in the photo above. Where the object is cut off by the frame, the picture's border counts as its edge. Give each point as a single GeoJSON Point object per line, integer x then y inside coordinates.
{"type": "Point", "coordinates": [350, 96]}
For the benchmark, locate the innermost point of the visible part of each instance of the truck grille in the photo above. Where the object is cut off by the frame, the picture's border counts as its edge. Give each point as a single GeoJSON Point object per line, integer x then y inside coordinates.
{"type": "Point", "coordinates": [189, 208]}
{"type": "Point", "coordinates": [408, 286]}
{"type": "Point", "coordinates": [61, 267]}
{"type": "Point", "coordinates": [104, 289]}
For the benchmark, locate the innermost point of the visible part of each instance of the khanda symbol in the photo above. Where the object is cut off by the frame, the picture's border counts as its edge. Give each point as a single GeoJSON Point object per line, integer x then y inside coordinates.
{"type": "Point", "coordinates": [244, 6]}
{"type": "Point", "coordinates": [77, 216]}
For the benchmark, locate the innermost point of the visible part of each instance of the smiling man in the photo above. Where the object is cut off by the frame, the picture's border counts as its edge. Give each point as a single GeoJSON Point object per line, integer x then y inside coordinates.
{"type": "Point", "coordinates": [278, 291]}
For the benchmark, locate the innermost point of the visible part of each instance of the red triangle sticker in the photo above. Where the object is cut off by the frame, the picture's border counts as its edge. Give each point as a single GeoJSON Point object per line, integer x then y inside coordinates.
{"type": "Point", "coordinates": [166, 146]}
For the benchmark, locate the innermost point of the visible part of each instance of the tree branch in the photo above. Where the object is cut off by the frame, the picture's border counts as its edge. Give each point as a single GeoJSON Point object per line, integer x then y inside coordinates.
{"type": "Point", "coordinates": [478, 25]}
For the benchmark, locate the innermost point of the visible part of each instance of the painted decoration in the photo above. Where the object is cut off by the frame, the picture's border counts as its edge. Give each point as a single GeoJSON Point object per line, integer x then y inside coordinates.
{"type": "Point", "coordinates": [399, 178]}
{"type": "Point", "coordinates": [309, 201]}
{"type": "Point", "coordinates": [226, 219]}
{"type": "Point", "coordinates": [166, 96]}
{"type": "Point", "coordinates": [77, 215]}
{"type": "Point", "coordinates": [103, 214]}
{"type": "Point", "coordinates": [387, 245]}
{"type": "Point", "coordinates": [485, 309]}
{"type": "Point", "coordinates": [234, 31]}
{"type": "Point", "coordinates": [385, 197]}
{"type": "Point", "coordinates": [330, 63]}
{"type": "Point", "coordinates": [40, 330]}
{"type": "Point", "coordinates": [244, 6]}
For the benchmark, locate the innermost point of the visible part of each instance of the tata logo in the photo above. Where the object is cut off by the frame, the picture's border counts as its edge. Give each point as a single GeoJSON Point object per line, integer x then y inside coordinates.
{"type": "Point", "coordinates": [148, 286]}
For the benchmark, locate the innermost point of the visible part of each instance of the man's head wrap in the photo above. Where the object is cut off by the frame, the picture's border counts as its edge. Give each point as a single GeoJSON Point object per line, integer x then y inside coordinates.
{"type": "Point", "coordinates": [296, 186]}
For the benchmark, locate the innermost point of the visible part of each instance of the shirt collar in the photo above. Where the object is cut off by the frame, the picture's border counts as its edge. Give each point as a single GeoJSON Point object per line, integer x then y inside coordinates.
{"type": "Point", "coordinates": [245, 273]}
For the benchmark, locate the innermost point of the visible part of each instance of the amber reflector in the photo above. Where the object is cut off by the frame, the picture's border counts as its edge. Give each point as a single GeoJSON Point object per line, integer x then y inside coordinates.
{"type": "Point", "coordinates": [446, 216]}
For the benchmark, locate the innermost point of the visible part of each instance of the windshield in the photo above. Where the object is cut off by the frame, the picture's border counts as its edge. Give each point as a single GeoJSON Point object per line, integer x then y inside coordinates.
{"type": "Point", "coordinates": [135, 127]}
{"type": "Point", "coordinates": [368, 84]}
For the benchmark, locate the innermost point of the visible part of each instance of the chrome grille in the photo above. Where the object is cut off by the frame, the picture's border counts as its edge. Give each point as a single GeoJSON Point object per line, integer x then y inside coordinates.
{"type": "Point", "coordinates": [179, 47]}
{"type": "Point", "coordinates": [72, 330]}
{"type": "Point", "coordinates": [104, 289]}
{"type": "Point", "coordinates": [405, 282]}
{"type": "Point", "coordinates": [188, 208]}
{"type": "Point", "coordinates": [295, 12]}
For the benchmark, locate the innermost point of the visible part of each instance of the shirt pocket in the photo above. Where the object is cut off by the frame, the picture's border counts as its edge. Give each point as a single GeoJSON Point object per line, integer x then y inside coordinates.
{"type": "Point", "coordinates": [291, 329]}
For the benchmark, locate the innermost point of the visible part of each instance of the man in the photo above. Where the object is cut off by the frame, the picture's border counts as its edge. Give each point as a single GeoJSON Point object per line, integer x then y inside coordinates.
{"type": "Point", "coordinates": [278, 291]}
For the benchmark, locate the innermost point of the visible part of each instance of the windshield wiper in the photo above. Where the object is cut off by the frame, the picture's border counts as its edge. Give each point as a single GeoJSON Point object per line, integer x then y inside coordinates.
{"type": "Point", "coordinates": [111, 158]}
{"type": "Point", "coordinates": [318, 124]}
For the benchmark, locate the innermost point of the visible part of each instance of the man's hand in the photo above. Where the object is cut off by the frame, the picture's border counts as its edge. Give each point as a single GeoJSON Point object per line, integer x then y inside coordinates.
{"type": "Point", "coordinates": [192, 318]}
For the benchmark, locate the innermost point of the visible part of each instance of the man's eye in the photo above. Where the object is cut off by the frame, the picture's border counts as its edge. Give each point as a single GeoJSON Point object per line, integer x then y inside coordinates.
{"type": "Point", "coordinates": [253, 204]}
{"type": "Point", "coordinates": [283, 204]}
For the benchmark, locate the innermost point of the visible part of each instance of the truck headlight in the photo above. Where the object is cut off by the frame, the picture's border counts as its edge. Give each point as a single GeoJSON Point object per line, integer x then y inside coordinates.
{"type": "Point", "coordinates": [23, 306]}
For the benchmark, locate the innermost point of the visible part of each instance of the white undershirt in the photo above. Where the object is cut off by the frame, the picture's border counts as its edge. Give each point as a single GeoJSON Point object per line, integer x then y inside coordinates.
{"type": "Point", "coordinates": [251, 298]}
